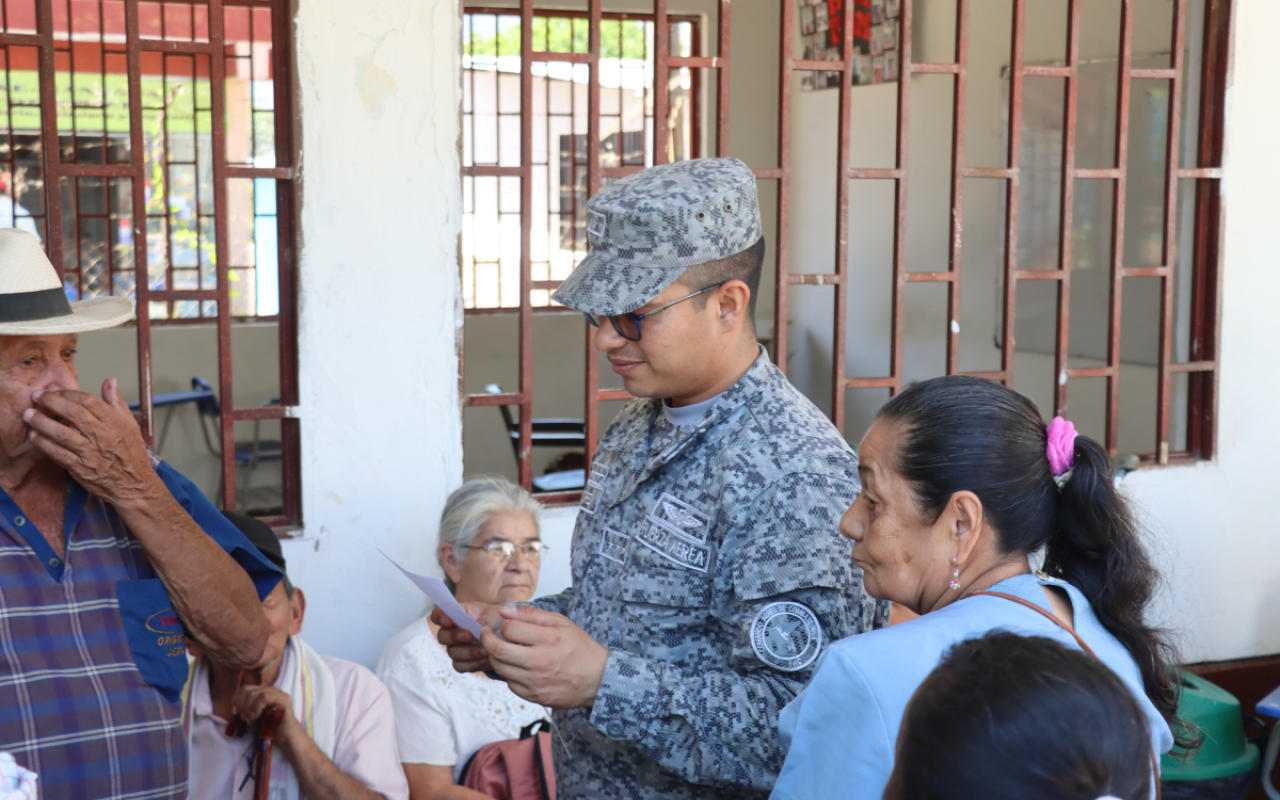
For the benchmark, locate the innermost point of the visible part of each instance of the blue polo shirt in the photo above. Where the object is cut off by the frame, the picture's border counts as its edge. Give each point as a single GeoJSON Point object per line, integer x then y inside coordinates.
{"type": "Point", "coordinates": [92, 656]}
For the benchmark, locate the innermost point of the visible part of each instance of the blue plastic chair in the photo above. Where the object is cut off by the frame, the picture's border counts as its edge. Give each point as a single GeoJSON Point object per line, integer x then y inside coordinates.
{"type": "Point", "coordinates": [171, 401]}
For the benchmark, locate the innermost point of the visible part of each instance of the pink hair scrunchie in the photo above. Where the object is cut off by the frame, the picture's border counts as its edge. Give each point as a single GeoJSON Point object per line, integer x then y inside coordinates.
{"type": "Point", "coordinates": [1062, 446]}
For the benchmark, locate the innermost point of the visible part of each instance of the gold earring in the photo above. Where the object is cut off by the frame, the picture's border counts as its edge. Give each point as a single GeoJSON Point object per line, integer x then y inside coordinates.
{"type": "Point", "coordinates": [955, 575]}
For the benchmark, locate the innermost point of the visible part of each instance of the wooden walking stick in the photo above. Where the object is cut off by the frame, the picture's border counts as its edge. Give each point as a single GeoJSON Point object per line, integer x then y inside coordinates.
{"type": "Point", "coordinates": [268, 724]}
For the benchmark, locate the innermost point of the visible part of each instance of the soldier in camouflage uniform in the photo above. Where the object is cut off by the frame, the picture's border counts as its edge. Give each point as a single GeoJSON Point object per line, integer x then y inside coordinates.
{"type": "Point", "coordinates": [708, 569]}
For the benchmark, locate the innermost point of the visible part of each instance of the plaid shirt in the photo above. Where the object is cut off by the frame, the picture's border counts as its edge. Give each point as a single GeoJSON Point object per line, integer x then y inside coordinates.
{"type": "Point", "coordinates": [74, 706]}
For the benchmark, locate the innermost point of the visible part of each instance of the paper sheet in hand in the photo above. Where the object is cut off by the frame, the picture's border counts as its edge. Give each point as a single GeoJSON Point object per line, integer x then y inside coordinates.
{"type": "Point", "coordinates": [435, 589]}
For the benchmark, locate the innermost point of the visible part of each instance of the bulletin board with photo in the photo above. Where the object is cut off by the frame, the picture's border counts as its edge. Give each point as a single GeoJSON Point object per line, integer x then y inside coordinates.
{"type": "Point", "coordinates": [875, 40]}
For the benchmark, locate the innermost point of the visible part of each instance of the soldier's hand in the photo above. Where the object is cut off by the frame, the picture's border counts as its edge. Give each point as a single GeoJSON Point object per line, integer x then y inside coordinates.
{"type": "Point", "coordinates": [468, 655]}
{"type": "Point", "coordinates": [546, 659]}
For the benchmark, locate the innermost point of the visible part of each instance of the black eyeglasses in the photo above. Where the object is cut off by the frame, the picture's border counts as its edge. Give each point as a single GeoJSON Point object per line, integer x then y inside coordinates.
{"type": "Point", "coordinates": [628, 325]}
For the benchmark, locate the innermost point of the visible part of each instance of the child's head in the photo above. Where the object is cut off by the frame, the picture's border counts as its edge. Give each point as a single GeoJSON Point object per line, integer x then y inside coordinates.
{"type": "Point", "coordinates": [1007, 717]}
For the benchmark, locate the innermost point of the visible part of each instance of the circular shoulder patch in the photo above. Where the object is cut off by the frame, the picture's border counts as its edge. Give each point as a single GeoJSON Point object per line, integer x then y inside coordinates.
{"type": "Point", "coordinates": [786, 636]}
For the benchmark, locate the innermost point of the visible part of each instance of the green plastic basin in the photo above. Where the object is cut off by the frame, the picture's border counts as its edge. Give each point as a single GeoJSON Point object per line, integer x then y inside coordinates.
{"type": "Point", "coordinates": [1224, 750]}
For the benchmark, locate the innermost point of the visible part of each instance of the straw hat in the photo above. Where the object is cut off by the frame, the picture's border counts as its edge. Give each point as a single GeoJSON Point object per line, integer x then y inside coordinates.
{"type": "Point", "coordinates": [32, 300]}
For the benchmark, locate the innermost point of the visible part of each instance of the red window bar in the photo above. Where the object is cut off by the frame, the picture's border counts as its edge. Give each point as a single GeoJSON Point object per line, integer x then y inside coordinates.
{"type": "Point", "coordinates": [111, 108]}
{"type": "Point", "coordinates": [664, 62]}
{"type": "Point", "coordinates": [1208, 215]}
{"type": "Point", "coordinates": [1208, 211]}
{"type": "Point", "coordinates": [557, 114]}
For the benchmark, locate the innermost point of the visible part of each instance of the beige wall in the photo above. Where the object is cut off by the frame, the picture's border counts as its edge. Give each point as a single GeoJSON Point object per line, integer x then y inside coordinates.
{"type": "Point", "coordinates": [491, 356]}
{"type": "Point", "coordinates": [178, 353]}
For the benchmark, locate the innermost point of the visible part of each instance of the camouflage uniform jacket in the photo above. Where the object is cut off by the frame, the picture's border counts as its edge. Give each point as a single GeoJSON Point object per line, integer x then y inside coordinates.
{"type": "Point", "coordinates": [708, 559]}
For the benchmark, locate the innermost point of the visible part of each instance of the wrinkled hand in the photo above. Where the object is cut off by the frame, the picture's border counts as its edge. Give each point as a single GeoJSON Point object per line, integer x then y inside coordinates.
{"type": "Point", "coordinates": [547, 659]}
{"type": "Point", "coordinates": [97, 440]}
{"type": "Point", "coordinates": [468, 655]}
{"type": "Point", "coordinates": [251, 701]}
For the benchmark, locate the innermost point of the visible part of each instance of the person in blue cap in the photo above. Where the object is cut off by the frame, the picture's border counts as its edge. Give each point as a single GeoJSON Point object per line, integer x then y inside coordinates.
{"type": "Point", "coordinates": [336, 739]}
{"type": "Point", "coordinates": [708, 569]}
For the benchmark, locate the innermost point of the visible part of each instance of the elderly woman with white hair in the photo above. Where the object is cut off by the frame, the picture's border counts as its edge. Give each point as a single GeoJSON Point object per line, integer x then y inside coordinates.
{"type": "Point", "coordinates": [491, 552]}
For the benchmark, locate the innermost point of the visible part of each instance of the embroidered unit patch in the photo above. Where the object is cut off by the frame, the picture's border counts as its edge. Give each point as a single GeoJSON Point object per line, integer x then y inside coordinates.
{"type": "Point", "coordinates": [683, 517]}
{"type": "Point", "coordinates": [786, 636]}
{"type": "Point", "coordinates": [673, 545]}
{"type": "Point", "coordinates": [613, 545]}
{"type": "Point", "coordinates": [597, 223]}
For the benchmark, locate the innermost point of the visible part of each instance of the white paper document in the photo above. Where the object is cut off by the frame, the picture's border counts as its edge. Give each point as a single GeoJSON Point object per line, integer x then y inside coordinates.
{"type": "Point", "coordinates": [439, 593]}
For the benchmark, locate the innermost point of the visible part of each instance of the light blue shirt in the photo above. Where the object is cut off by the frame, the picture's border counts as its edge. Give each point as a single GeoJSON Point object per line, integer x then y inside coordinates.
{"type": "Point", "coordinates": [842, 730]}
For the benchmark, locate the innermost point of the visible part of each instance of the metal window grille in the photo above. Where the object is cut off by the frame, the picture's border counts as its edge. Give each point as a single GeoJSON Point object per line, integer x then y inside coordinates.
{"type": "Point", "coordinates": [1199, 181]}
{"type": "Point", "coordinates": [1206, 174]}
{"type": "Point", "coordinates": [139, 140]}
{"type": "Point", "coordinates": [521, 169]}
{"type": "Point", "coordinates": [560, 98]}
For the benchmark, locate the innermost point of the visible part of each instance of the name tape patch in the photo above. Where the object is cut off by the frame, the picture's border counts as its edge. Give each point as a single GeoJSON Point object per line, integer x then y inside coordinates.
{"type": "Point", "coordinates": [683, 517]}
{"type": "Point", "coordinates": [787, 636]}
{"type": "Point", "coordinates": [672, 545]}
{"type": "Point", "coordinates": [613, 545]}
{"type": "Point", "coordinates": [591, 497]}
{"type": "Point", "coordinates": [598, 473]}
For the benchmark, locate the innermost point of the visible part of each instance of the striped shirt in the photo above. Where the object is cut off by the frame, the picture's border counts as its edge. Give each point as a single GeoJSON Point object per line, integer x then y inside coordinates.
{"type": "Point", "coordinates": [86, 699]}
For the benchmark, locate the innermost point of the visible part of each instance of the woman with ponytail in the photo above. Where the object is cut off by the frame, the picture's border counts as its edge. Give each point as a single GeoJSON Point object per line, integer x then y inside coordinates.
{"type": "Point", "coordinates": [961, 483]}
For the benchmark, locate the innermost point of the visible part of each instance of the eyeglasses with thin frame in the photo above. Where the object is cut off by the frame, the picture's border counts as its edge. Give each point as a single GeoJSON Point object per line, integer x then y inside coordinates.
{"type": "Point", "coordinates": [628, 325]}
{"type": "Point", "coordinates": [500, 549]}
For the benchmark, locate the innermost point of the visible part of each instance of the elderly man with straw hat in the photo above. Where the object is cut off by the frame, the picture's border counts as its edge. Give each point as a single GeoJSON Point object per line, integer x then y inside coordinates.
{"type": "Point", "coordinates": [108, 558]}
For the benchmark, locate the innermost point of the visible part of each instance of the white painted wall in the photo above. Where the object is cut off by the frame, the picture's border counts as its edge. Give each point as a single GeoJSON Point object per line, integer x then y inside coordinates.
{"type": "Point", "coordinates": [381, 202]}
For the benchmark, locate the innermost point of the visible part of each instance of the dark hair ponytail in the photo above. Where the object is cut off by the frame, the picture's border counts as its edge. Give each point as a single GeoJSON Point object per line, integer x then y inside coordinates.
{"type": "Point", "coordinates": [1008, 717]}
{"type": "Point", "coordinates": [1098, 549]}
{"type": "Point", "coordinates": [962, 433]}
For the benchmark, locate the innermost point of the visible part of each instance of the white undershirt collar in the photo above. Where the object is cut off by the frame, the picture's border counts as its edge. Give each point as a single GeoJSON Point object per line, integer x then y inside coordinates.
{"type": "Point", "coordinates": [684, 416]}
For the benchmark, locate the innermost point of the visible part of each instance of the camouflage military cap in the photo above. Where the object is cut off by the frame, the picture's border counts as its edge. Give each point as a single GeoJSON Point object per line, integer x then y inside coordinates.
{"type": "Point", "coordinates": [648, 228]}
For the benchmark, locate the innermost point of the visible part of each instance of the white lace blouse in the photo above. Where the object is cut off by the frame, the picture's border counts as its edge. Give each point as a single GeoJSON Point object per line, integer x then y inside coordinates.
{"type": "Point", "coordinates": [442, 716]}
